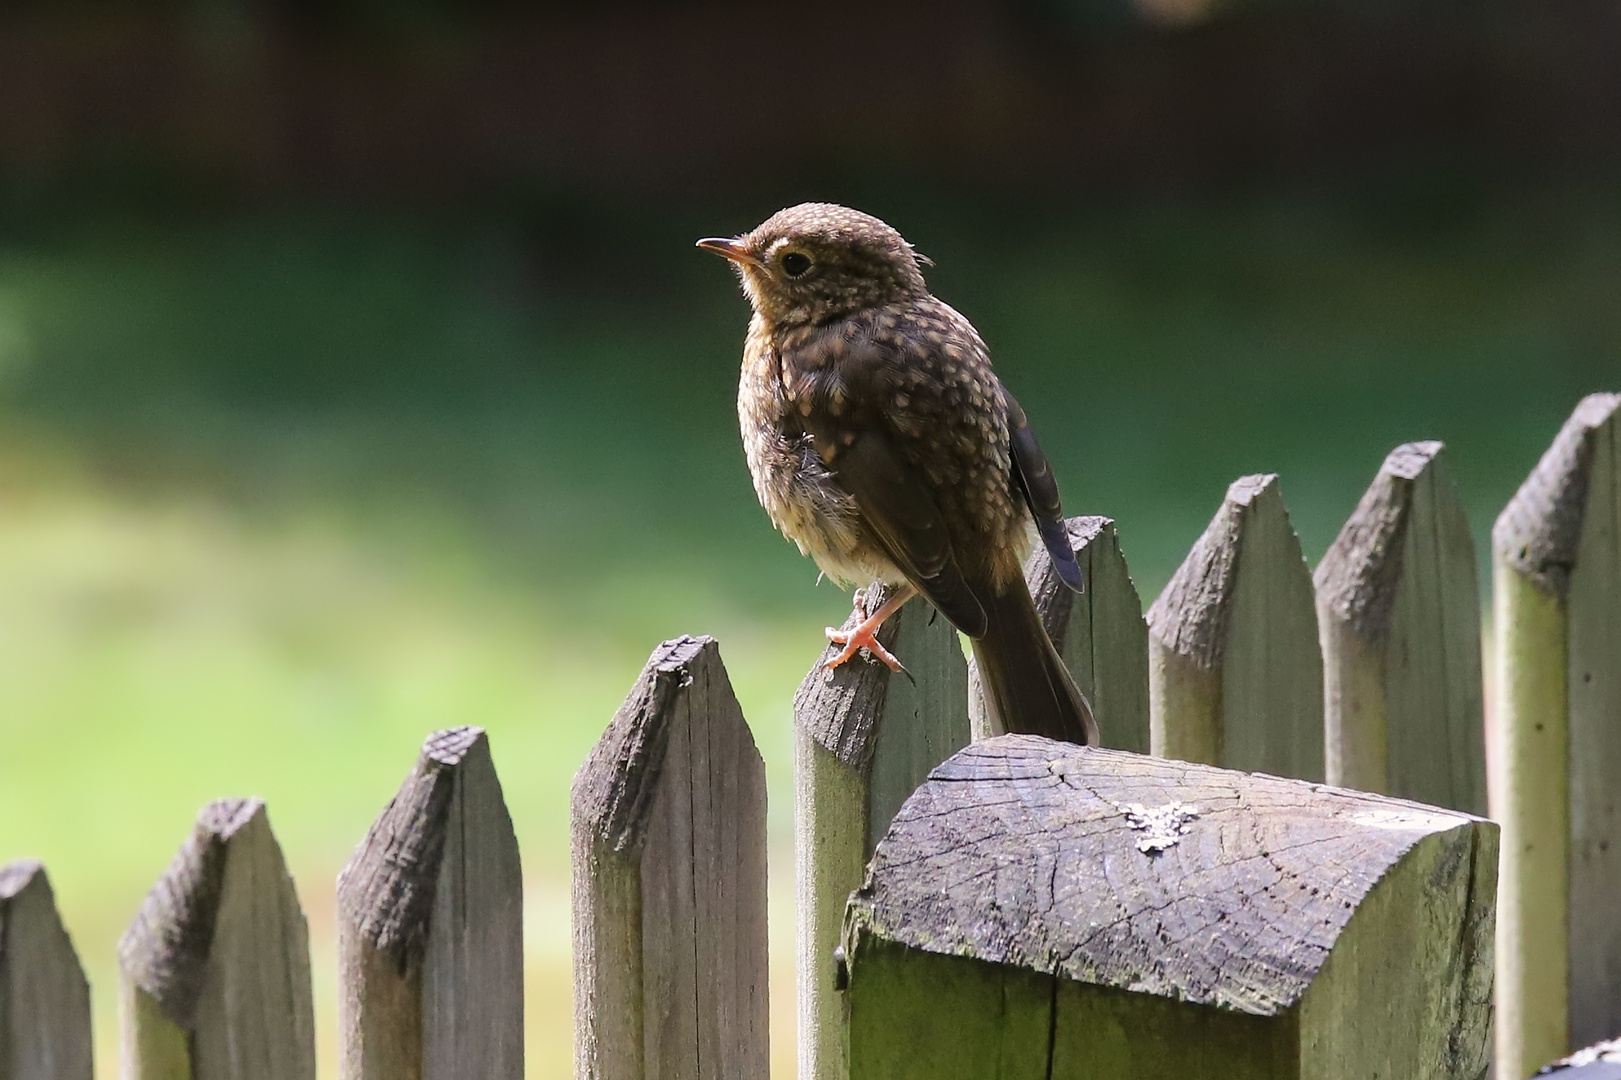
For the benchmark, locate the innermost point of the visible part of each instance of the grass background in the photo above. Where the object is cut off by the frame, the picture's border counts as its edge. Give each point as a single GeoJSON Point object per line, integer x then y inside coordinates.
{"type": "Point", "coordinates": [282, 492]}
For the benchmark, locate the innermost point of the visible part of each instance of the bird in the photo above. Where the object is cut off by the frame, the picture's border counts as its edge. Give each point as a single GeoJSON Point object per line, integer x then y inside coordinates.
{"type": "Point", "coordinates": [881, 442]}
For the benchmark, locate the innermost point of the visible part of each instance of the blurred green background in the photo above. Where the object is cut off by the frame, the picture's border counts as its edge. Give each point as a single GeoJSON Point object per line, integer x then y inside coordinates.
{"type": "Point", "coordinates": [307, 451]}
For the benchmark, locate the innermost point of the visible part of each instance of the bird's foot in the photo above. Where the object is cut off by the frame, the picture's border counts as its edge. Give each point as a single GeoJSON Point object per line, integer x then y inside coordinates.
{"type": "Point", "coordinates": [865, 634]}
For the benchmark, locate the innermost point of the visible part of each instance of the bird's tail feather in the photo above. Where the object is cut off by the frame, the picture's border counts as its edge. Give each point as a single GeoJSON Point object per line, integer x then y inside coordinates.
{"type": "Point", "coordinates": [1027, 688]}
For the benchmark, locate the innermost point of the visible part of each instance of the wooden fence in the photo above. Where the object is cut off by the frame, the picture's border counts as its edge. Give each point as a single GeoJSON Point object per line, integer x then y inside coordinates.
{"type": "Point", "coordinates": [977, 904]}
{"type": "Point", "coordinates": [215, 967]}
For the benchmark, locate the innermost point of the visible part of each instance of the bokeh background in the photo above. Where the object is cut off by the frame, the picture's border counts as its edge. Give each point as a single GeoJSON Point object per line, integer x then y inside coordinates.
{"type": "Point", "coordinates": [358, 377]}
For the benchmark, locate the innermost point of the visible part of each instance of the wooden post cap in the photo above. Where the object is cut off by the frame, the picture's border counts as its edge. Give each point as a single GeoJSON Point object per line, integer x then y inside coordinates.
{"type": "Point", "coordinates": [1043, 910]}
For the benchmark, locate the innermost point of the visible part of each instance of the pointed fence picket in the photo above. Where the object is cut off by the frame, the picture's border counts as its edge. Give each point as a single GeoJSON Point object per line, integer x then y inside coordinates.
{"type": "Point", "coordinates": [1556, 557]}
{"type": "Point", "coordinates": [1235, 673]}
{"type": "Point", "coordinates": [216, 963]}
{"type": "Point", "coordinates": [669, 882]}
{"type": "Point", "coordinates": [864, 739]}
{"type": "Point", "coordinates": [44, 998]}
{"type": "Point", "coordinates": [1398, 607]}
{"type": "Point", "coordinates": [430, 926]}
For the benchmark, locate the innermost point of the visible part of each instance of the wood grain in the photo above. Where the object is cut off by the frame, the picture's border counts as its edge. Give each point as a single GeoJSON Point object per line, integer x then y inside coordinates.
{"type": "Point", "coordinates": [669, 871]}
{"type": "Point", "coordinates": [1174, 900]}
{"type": "Point", "coordinates": [1398, 607]}
{"type": "Point", "coordinates": [44, 998]}
{"type": "Point", "coordinates": [430, 926]}
{"type": "Point", "coordinates": [863, 740]}
{"type": "Point", "coordinates": [1595, 741]}
{"type": "Point", "coordinates": [215, 965]}
{"type": "Point", "coordinates": [1556, 552]}
{"type": "Point", "coordinates": [1235, 667]}
{"type": "Point", "coordinates": [1531, 798]}
{"type": "Point", "coordinates": [1100, 634]}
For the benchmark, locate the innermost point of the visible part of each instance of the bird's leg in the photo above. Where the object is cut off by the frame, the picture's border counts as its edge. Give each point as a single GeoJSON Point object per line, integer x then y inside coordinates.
{"type": "Point", "coordinates": [865, 636]}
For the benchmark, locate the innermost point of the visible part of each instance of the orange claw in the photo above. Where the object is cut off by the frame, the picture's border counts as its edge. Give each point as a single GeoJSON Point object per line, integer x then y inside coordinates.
{"type": "Point", "coordinates": [856, 640]}
{"type": "Point", "coordinates": [865, 635]}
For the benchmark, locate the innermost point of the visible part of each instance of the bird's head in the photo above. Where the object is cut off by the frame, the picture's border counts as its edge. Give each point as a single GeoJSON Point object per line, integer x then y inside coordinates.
{"type": "Point", "coordinates": [818, 261]}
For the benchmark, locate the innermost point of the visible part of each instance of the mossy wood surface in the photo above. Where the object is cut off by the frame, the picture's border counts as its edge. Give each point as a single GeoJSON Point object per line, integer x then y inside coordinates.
{"type": "Point", "coordinates": [1235, 667]}
{"type": "Point", "coordinates": [215, 966]}
{"type": "Point", "coordinates": [1398, 606]}
{"type": "Point", "coordinates": [44, 998]}
{"type": "Point", "coordinates": [669, 865]}
{"type": "Point", "coordinates": [1556, 551]}
{"type": "Point", "coordinates": [1162, 918]}
{"type": "Point", "coordinates": [1100, 634]}
{"type": "Point", "coordinates": [864, 738]}
{"type": "Point", "coordinates": [430, 926]}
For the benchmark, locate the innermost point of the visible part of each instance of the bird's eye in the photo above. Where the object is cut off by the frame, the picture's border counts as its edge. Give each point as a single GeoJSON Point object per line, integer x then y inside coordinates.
{"type": "Point", "coordinates": [795, 263]}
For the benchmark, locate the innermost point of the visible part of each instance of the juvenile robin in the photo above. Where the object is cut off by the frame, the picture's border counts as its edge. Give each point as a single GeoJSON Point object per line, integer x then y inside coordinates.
{"type": "Point", "coordinates": [881, 442]}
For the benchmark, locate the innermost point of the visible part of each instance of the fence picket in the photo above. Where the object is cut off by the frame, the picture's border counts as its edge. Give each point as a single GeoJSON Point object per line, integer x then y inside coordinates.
{"type": "Point", "coordinates": [215, 966]}
{"type": "Point", "coordinates": [669, 865]}
{"type": "Point", "coordinates": [1556, 553]}
{"type": "Point", "coordinates": [1235, 669]}
{"type": "Point", "coordinates": [1100, 634]}
{"type": "Point", "coordinates": [430, 926]}
{"type": "Point", "coordinates": [1398, 606]}
{"type": "Point", "coordinates": [44, 998]}
{"type": "Point", "coordinates": [863, 740]}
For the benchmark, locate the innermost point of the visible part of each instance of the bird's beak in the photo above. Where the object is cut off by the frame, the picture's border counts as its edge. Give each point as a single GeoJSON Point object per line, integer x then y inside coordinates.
{"type": "Point", "coordinates": [733, 248]}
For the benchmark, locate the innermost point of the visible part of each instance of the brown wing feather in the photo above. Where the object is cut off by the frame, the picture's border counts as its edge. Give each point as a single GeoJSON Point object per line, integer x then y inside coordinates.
{"type": "Point", "coordinates": [1034, 475]}
{"type": "Point", "coordinates": [908, 526]}
{"type": "Point", "coordinates": [859, 443]}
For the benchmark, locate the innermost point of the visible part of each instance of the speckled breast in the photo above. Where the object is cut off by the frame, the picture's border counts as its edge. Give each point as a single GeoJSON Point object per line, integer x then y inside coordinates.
{"type": "Point", "coordinates": [799, 493]}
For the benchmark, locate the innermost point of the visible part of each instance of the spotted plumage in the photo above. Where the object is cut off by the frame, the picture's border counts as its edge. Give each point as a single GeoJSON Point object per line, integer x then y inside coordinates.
{"type": "Point", "coordinates": [882, 443]}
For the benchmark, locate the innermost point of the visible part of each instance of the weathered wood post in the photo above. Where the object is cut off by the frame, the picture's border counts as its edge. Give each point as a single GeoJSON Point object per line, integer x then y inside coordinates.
{"type": "Point", "coordinates": [1041, 911]}
{"type": "Point", "coordinates": [44, 998]}
{"type": "Point", "coordinates": [1235, 672]}
{"type": "Point", "coordinates": [430, 926]}
{"type": "Point", "coordinates": [216, 964]}
{"type": "Point", "coordinates": [1099, 633]}
{"type": "Point", "coordinates": [669, 854]}
{"type": "Point", "coordinates": [1556, 554]}
{"type": "Point", "coordinates": [1398, 605]}
{"type": "Point", "coordinates": [863, 740]}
